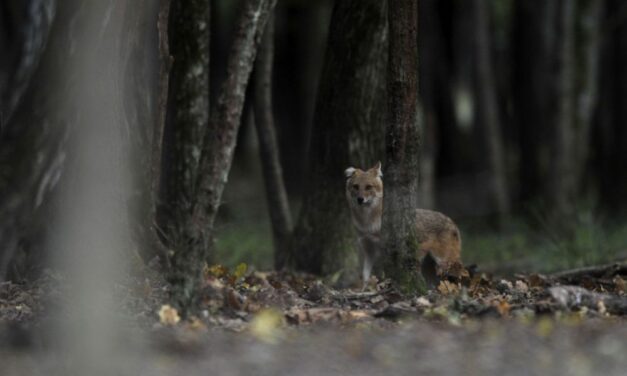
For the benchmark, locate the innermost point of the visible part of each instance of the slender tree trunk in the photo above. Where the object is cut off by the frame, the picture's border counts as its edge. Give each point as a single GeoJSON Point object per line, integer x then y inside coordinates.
{"type": "Point", "coordinates": [588, 56]}
{"type": "Point", "coordinates": [489, 125]}
{"type": "Point", "coordinates": [217, 155]}
{"type": "Point", "coordinates": [430, 52]}
{"type": "Point", "coordinates": [187, 114]}
{"type": "Point", "coordinates": [402, 143]}
{"type": "Point", "coordinates": [346, 131]}
{"type": "Point", "coordinates": [278, 204]}
{"type": "Point", "coordinates": [611, 133]}
{"type": "Point", "coordinates": [533, 45]}
{"type": "Point", "coordinates": [563, 179]}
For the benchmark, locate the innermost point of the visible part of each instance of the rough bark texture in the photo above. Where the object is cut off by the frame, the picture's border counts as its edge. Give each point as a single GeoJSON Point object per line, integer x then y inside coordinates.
{"type": "Point", "coordinates": [217, 154]}
{"type": "Point", "coordinates": [187, 113]}
{"type": "Point", "coordinates": [402, 141]}
{"type": "Point", "coordinates": [278, 204]}
{"type": "Point", "coordinates": [347, 131]}
{"type": "Point", "coordinates": [488, 122]}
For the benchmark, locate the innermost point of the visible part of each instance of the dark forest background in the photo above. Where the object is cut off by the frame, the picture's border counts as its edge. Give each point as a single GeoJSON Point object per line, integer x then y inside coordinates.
{"type": "Point", "coordinates": [522, 106]}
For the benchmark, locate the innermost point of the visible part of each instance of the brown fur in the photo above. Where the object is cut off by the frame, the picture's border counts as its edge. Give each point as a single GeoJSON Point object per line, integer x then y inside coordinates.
{"type": "Point", "coordinates": [437, 233]}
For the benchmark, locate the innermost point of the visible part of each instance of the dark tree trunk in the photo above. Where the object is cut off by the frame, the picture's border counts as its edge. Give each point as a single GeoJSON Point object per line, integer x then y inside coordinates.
{"type": "Point", "coordinates": [278, 204]}
{"type": "Point", "coordinates": [187, 114]}
{"type": "Point", "coordinates": [488, 117]}
{"type": "Point", "coordinates": [25, 176]}
{"type": "Point", "coordinates": [587, 63]}
{"type": "Point", "coordinates": [563, 180]}
{"type": "Point", "coordinates": [533, 44]}
{"type": "Point", "coordinates": [430, 51]}
{"type": "Point", "coordinates": [346, 131]}
{"type": "Point", "coordinates": [217, 155]}
{"type": "Point", "coordinates": [611, 132]}
{"type": "Point", "coordinates": [402, 141]}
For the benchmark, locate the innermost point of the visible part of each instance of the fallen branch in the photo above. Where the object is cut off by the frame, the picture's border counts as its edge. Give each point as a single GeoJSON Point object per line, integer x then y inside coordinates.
{"type": "Point", "coordinates": [597, 271]}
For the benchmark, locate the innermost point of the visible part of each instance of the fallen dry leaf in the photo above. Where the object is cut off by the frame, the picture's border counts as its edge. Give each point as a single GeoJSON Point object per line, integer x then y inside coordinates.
{"type": "Point", "coordinates": [448, 288]}
{"type": "Point", "coordinates": [168, 315]}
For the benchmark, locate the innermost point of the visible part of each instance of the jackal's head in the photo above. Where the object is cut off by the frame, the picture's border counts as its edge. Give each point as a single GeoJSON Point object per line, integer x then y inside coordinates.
{"type": "Point", "coordinates": [364, 188]}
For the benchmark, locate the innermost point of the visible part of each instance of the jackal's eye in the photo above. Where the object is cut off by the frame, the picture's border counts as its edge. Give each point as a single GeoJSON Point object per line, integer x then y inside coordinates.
{"type": "Point", "coordinates": [356, 187]}
{"type": "Point", "coordinates": [368, 187]}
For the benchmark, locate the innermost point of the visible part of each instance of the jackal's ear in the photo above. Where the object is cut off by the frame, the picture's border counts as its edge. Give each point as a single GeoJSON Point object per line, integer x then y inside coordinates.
{"type": "Point", "coordinates": [349, 172]}
{"type": "Point", "coordinates": [377, 169]}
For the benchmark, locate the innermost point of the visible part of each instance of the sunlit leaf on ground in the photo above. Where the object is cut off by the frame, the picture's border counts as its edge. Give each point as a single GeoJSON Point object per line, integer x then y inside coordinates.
{"type": "Point", "coordinates": [168, 315]}
{"type": "Point", "coordinates": [266, 325]}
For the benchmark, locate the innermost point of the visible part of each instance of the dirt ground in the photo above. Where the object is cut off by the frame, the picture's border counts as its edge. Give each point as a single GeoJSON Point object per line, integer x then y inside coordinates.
{"type": "Point", "coordinates": [253, 323]}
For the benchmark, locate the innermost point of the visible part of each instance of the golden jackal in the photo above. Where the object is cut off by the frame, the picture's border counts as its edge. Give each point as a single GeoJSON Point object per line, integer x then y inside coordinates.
{"type": "Point", "coordinates": [436, 232]}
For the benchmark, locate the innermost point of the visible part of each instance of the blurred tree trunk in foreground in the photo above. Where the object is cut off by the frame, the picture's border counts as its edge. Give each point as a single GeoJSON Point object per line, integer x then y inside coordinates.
{"type": "Point", "coordinates": [217, 156]}
{"type": "Point", "coordinates": [402, 141]}
{"type": "Point", "coordinates": [278, 204]}
{"type": "Point", "coordinates": [346, 131]}
{"type": "Point", "coordinates": [488, 122]}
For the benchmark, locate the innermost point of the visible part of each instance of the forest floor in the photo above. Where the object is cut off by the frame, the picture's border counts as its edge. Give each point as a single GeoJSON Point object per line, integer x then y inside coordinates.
{"type": "Point", "coordinates": [250, 322]}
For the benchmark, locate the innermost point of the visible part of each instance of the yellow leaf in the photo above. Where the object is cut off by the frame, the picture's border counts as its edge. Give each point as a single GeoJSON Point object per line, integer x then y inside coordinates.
{"type": "Point", "coordinates": [266, 325]}
{"type": "Point", "coordinates": [168, 315]}
{"type": "Point", "coordinates": [217, 271]}
{"type": "Point", "coordinates": [240, 270]}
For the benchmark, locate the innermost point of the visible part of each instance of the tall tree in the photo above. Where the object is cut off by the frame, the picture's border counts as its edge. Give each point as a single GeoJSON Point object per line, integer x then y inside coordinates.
{"type": "Point", "coordinates": [402, 141]}
{"type": "Point", "coordinates": [25, 28]}
{"type": "Point", "coordinates": [611, 134]}
{"type": "Point", "coordinates": [217, 155]}
{"type": "Point", "coordinates": [488, 117]}
{"type": "Point", "coordinates": [563, 180]}
{"type": "Point", "coordinates": [533, 44]}
{"type": "Point", "coordinates": [278, 204]}
{"type": "Point", "coordinates": [346, 131]}
{"type": "Point", "coordinates": [430, 50]}
{"type": "Point", "coordinates": [187, 113]}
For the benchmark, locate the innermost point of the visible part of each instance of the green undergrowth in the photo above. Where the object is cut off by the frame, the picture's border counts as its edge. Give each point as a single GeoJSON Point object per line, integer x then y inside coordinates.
{"type": "Point", "coordinates": [518, 247]}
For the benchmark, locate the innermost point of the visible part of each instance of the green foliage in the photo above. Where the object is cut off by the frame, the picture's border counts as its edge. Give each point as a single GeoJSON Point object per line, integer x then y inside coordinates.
{"type": "Point", "coordinates": [250, 243]}
{"type": "Point", "coordinates": [523, 248]}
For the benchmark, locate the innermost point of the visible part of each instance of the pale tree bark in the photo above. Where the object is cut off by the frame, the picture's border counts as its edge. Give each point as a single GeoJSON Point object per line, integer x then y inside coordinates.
{"type": "Point", "coordinates": [217, 155]}
{"type": "Point", "coordinates": [346, 132]}
{"type": "Point", "coordinates": [402, 141]}
{"type": "Point", "coordinates": [278, 204]}
{"type": "Point", "coordinates": [488, 122]}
